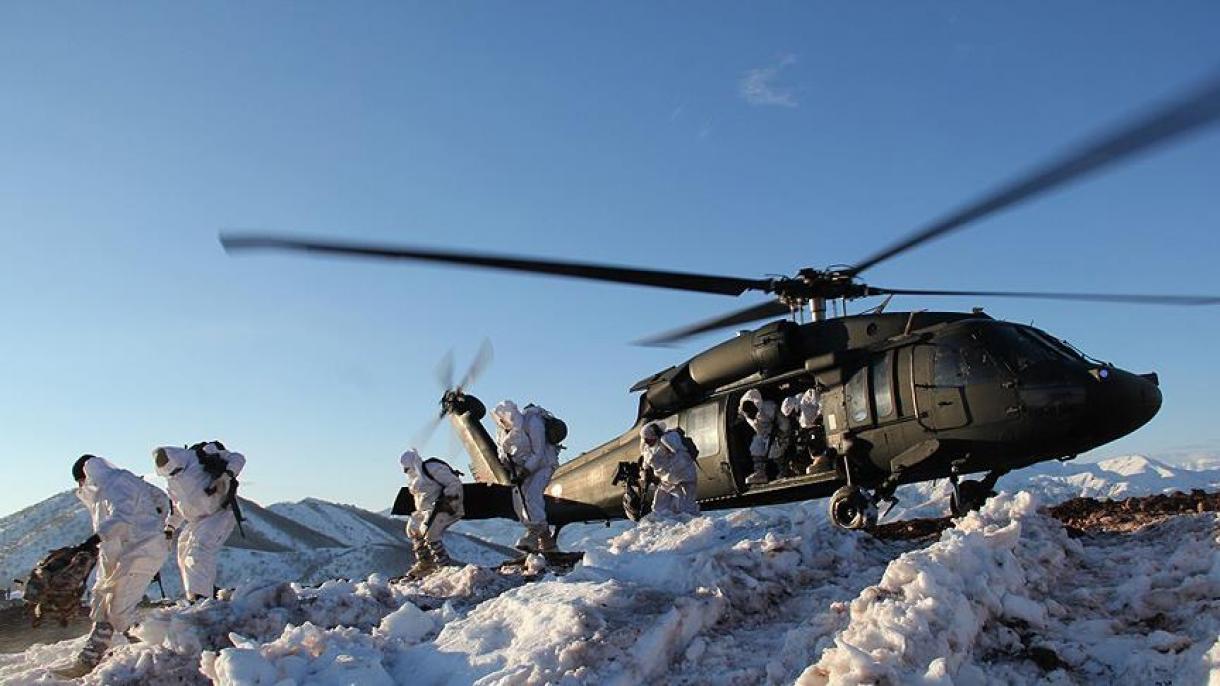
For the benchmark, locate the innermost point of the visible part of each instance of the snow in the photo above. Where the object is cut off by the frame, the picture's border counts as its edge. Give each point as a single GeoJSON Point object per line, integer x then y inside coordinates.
{"type": "Point", "coordinates": [770, 595]}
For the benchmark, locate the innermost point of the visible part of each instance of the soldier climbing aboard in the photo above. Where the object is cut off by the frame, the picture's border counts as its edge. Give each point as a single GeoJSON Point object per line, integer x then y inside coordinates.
{"type": "Point", "coordinates": [769, 443]}
{"type": "Point", "coordinates": [810, 434]}
{"type": "Point", "coordinates": [667, 454]}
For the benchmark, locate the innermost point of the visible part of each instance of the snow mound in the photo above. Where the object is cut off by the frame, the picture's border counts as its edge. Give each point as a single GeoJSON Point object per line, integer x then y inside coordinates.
{"type": "Point", "coordinates": [1006, 596]}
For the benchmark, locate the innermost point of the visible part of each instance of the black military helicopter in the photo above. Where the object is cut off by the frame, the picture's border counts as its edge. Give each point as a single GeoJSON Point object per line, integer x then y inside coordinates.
{"type": "Point", "coordinates": [906, 397]}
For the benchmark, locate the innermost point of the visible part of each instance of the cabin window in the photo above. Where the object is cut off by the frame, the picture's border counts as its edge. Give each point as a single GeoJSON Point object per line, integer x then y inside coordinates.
{"type": "Point", "coordinates": [857, 397]}
{"type": "Point", "coordinates": [883, 387]}
{"type": "Point", "coordinates": [702, 425]}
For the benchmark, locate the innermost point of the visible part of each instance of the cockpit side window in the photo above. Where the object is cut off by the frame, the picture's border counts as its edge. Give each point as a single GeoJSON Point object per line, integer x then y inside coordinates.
{"type": "Point", "coordinates": [962, 360]}
{"type": "Point", "coordinates": [1019, 349]}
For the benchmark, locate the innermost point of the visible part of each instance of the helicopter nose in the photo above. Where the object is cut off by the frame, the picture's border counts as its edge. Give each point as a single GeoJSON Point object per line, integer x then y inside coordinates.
{"type": "Point", "coordinates": [1122, 401]}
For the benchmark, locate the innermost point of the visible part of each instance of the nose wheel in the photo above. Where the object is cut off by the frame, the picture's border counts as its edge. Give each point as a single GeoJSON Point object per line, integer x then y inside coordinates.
{"type": "Point", "coordinates": [851, 508]}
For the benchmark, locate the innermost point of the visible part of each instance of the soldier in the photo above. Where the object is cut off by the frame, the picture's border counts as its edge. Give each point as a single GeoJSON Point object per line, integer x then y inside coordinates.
{"type": "Point", "coordinates": [126, 513]}
{"type": "Point", "coordinates": [673, 466]}
{"type": "Point", "coordinates": [770, 442]}
{"type": "Point", "coordinates": [811, 437]}
{"type": "Point", "coordinates": [437, 488]}
{"type": "Point", "coordinates": [202, 485]}
{"type": "Point", "coordinates": [531, 459]}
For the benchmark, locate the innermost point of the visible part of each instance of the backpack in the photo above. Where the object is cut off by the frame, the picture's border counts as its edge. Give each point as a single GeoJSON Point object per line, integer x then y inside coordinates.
{"type": "Point", "coordinates": [424, 468]}
{"type": "Point", "coordinates": [213, 464]}
{"type": "Point", "coordinates": [55, 587]}
{"type": "Point", "coordinates": [556, 429]}
{"type": "Point", "coordinates": [688, 443]}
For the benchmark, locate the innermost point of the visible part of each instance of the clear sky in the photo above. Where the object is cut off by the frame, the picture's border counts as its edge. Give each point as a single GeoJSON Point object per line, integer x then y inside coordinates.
{"type": "Point", "coordinates": [722, 137]}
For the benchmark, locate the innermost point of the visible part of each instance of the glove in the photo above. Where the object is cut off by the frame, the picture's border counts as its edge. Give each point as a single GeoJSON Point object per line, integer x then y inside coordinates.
{"type": "Point", "coordinates": [169, 533]}
{"type": "Point", "coordinates": [90, 543]}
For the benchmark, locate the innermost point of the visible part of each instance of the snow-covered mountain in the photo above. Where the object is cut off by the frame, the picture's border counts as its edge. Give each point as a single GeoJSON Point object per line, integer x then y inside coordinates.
{"type": "Point", "coordinates": [310, 541]}
{"type": "Point", "coordinates": [1054, 482]}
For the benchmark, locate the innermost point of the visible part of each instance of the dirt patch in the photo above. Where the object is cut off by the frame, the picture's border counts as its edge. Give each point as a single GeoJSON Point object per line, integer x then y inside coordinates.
{"type": "Point", "coordinates": [16, 634]}
{"type": "Point", "coordinates": [1082, 515]}
{"type": "Point", "coordinates": [1086, 515]}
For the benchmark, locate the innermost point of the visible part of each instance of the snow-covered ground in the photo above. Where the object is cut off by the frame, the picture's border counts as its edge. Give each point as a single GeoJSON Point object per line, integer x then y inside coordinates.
{"type": "Point", "coordinates": [770, 595]}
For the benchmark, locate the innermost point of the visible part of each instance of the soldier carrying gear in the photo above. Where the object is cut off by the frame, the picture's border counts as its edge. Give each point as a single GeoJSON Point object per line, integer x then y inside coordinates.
{"type": "Point", "coordinates": [530, 459]}
{"type": "Point", "coordinates": [666, 454]}
{"type": "Point", "coordinates": [201, 482]}
{"type": "Point", "coordinates": [127, 515]}
{"type": "Point", "coordinates": [769, 442]}
{"type": "Point", "coordinates": [437, 488]}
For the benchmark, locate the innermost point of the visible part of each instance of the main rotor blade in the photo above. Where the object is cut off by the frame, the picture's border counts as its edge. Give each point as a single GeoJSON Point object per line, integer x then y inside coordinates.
{"type": "Point", "coordinates": [420, 440]}
{"type": "Point", "coordinates": [683, 281]}
{"type": "Point", "coordinates": [1090, 297]}
{"type": "Point", "coordinates": [1196, 109]}
{"type": "Point", "coordinates": [477, 365]}
{"type": "Point", "coordinates": [444, 371]}
{"type": "Point", "coordinates": [767, 310]}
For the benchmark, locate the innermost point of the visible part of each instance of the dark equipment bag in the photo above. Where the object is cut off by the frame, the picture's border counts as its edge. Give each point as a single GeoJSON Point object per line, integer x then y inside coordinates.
{"type": "Point", "coordinates": [556, 429]}
{"type": "Point", "coordinates": [689, 443]}
{"type": "Point", "coordinates": [57, 584]}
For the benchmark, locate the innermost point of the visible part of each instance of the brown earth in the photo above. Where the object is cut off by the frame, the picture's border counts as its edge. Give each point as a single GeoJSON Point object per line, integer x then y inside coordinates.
{"type": "Point", "coordinates": [1083, 515]}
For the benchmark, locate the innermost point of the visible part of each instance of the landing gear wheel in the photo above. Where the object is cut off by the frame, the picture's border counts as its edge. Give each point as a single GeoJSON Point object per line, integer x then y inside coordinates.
{"type": "Point", "coordinates": [968, 496]}
{"type": "Point", "coordinates": [850, 508]}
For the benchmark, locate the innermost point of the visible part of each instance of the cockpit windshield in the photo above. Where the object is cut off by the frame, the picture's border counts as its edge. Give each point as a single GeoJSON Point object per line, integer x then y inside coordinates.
{"type": "Point", "coordinates": [1022, 348]}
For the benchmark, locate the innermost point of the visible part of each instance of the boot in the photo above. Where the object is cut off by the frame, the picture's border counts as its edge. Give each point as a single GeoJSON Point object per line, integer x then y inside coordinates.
{"type": "Point", "coordinates": [91, 654]}
{"type": "Point", "coordinates": [821, 463]}
{"type": "Point", "coordinates": [546, 542]}
{"type": "Point", "coordinates": [759, 476]}
{"type": "Point", "coordinates": [440, 556]}
{"type": "Point", "coordinates": [423, 559]}
{"type": "Point", "coordinates": [528, 541]}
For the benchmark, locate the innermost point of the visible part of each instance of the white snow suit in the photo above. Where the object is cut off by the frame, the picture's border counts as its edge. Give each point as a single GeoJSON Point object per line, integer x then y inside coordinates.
{"type": "Point", "coordinates": [127, 514]}
{"type": "Point", "coordinates": [522, 443]}
{"type": "Point", "coordinates": [521, 439]}
{"type": "Point", "coordinates": [204, 522]}
{"type": "Point", "coordinates": [438, 496]}
{"type": "Point", "coordinates": [768, 427]}
{"type": "Point", "coordinates": [805, 407]}
{"type": "Point", "coordinates": [674, 467]}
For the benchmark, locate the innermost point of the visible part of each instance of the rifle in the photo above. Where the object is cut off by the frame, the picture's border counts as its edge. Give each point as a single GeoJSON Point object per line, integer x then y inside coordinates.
{"type": "Point", "coordinates": [516, 480]}
{"type": "Point", "coordinates": [232, 503]}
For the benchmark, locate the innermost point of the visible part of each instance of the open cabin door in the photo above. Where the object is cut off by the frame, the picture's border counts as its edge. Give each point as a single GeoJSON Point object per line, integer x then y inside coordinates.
{"type": "Point", "coordinates": [940, 402]}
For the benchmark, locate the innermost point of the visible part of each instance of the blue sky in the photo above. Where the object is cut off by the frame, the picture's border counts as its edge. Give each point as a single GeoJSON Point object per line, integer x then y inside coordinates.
{"type": "Point", "coordinates": [717, 137]}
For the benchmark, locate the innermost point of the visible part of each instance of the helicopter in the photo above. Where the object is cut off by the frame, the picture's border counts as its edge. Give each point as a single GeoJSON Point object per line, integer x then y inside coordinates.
{"type": "Point", "coordinates": [906, 397]}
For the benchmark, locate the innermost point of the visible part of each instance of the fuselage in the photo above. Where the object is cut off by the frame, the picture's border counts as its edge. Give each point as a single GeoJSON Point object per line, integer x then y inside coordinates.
{"type": "Point", "coordinates": [924, 393]}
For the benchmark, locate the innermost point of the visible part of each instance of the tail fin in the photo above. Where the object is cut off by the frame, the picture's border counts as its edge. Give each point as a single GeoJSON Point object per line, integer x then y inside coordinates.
{"type": "Point", "coordinates": [465, 413]}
